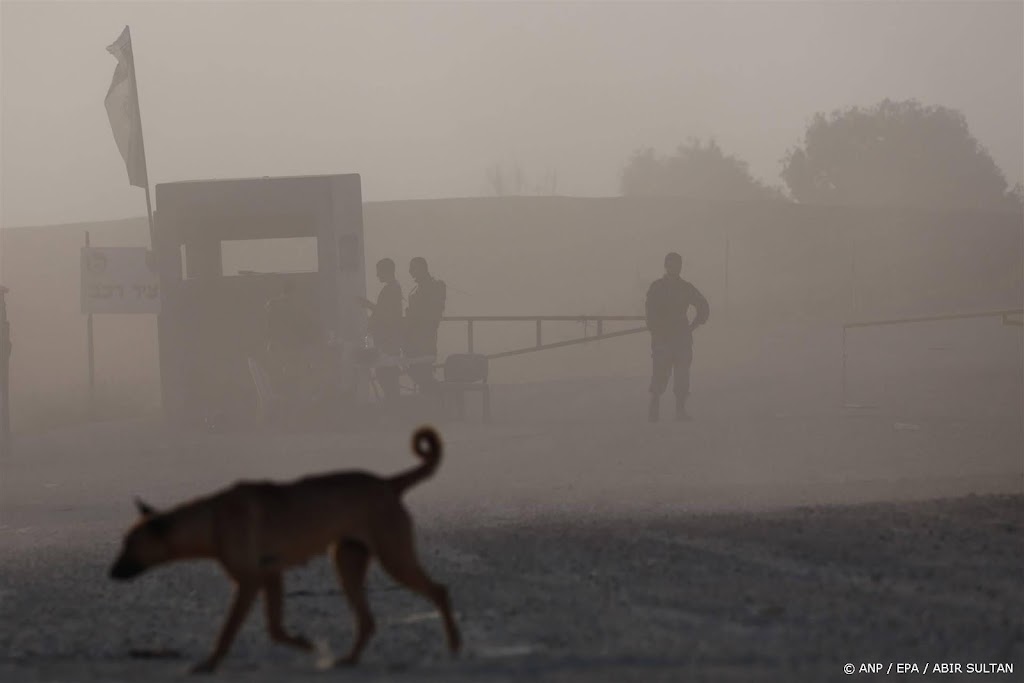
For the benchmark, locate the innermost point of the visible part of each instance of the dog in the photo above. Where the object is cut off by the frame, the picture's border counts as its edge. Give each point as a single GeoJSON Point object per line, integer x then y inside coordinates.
{"type": "Point", "coordinates": [256, 530]}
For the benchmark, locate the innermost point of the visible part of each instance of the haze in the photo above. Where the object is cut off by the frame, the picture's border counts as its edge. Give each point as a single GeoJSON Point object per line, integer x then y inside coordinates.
{"type": "Point", "coordinates": [835, 480]}
{"type": "Point", "coordinates": [422, 98]}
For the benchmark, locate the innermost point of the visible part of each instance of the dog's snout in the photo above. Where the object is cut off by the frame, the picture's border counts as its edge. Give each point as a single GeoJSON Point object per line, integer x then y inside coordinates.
{"type": "Point", "coordinates": [125, 569]}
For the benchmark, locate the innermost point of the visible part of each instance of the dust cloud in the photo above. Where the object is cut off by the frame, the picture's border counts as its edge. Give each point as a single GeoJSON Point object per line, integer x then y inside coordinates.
{"type": "Point", "coordinates": [846, 484]}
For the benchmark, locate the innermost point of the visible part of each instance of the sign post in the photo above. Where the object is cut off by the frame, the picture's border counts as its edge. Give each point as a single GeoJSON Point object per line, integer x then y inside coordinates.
{"type": "Point", "coordinates": [115, 280]}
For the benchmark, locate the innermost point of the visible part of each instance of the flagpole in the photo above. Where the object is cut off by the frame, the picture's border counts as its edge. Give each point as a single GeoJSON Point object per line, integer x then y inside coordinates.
{"type": "Point", "coordinates": [125, 137]}
{"type": "Point", "coordinates": [149, 204]}
{"type": "Point", "coordinates": [149, 215]}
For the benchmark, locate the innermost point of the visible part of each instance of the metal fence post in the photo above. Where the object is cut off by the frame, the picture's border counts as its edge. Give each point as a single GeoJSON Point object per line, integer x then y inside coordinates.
{"type": "Point", "coordinates": [91, 354]}
{"type": "Point", "coordinates": [843, 381]}
{"type": "Point", "coordinates": [5, 375]}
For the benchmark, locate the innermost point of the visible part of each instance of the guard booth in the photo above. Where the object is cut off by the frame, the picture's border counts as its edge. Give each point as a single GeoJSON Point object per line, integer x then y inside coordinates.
{"type": "Point", "coordinates": [224, 247]}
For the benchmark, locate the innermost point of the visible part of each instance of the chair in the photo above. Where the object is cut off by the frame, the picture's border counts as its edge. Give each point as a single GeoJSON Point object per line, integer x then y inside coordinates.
{"type": "Point", "coordinates": [467, 372]}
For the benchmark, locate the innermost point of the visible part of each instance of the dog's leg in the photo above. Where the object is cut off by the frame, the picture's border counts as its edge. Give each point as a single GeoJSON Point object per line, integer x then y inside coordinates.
{"type": "Point", "coordinates": [245, 592]}
{"type": "Point", "coordinates": [351, 560]}
{"type": "Point", "coordinates": [273, 603]}
{"type": "Point", "coordinates": [397, 555]}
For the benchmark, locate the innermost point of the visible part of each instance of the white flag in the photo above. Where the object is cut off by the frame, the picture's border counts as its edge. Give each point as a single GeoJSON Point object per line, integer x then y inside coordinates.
{"type": "Point", "coordinates": [122, 104]}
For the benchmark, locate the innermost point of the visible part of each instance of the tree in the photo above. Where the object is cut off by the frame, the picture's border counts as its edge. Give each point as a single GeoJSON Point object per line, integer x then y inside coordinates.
{"type": "Point", "coordinates": [895, 154]}
{"type": "Point", "coordinates": [697, 170]}
{"type": "Point", "coordinates": [1017, 194]}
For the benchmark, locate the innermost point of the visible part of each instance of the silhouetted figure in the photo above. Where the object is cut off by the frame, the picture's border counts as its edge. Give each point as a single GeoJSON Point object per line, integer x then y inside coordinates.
{"type": "Point", "coordinates": [422, 318]}
{"type": "Point", "coordinates": [291, 337]}
{"type": "Point", "coordinates": [386, 326]}
{"type": "Point", "coordinates": [668, 303]}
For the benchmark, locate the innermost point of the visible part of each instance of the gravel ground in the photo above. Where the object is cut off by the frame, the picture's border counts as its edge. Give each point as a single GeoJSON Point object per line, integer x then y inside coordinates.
{"type": "Point", "coordinates": [777, 537]}
{"type": "Point", "coordinates": [782, 595]}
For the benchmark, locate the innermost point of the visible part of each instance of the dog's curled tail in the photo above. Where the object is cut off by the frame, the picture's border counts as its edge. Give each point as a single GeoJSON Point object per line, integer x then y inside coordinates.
{"type": "Point", "coordinates": [426, 443]}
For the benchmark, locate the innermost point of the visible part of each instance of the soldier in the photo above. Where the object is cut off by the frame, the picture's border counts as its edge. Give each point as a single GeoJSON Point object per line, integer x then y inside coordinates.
{"type": "Point", "coordinates": [668, 303]}
{"type": "Point", "coordinates": [422, 318]}
{"type": "Point", "coordinates": [386, 326]}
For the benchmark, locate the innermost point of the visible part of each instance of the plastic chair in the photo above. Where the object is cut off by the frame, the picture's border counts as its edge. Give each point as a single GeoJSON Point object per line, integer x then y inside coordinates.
{"type": "Point", "coordinates": [467, 372]}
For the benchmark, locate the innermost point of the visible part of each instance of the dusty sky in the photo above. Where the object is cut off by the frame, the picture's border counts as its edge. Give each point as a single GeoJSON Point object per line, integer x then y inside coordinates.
{"type": "Point", "coordinates": [421, 98]}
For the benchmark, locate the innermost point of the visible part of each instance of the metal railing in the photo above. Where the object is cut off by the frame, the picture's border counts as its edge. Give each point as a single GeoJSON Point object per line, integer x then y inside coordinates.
{"type": "Point", "coordinates": [1007, 315]}
{"type": "Point", "coordinates": [539, 321]}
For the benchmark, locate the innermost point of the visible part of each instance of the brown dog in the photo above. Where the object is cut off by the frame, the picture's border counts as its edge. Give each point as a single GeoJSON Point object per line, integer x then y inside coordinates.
{"type": "Point", "coordinates": [255, 530]}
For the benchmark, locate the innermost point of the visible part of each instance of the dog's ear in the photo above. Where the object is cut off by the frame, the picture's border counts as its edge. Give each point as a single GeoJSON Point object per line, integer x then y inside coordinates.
{"type": "Point", "coordinates": [145, 509]}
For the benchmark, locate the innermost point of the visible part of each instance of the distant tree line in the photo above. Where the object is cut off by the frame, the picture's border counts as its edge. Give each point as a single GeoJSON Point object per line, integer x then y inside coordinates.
{"type": "Point", "coordinates": [891, 154]}
{"type": "Point", "coordinates": [695, 170]}
{"type": "Point", "coordinates": [514, 182]}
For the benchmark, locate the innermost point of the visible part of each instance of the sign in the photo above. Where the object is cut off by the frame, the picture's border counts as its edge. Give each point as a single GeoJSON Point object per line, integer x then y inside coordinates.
{"type": "Point", "coordinates": [119, 280]}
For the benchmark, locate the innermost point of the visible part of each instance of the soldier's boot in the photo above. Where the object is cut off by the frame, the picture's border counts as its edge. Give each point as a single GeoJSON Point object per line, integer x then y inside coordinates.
{"type": "Point", "coordinates": [681, 414]}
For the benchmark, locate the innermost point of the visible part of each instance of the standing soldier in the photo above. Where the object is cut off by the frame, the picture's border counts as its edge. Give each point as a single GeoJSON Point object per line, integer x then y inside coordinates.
{"type": "Point", "coordinates": [422, 318]}
{"type": "Point", "coordinates": [668, 304]}
{"type": "Point", "coordinates": [386, 326]}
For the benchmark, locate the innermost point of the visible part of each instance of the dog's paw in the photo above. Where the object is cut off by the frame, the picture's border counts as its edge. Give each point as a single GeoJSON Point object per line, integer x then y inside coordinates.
{"type": "Point", "coordinates": [303, 643]}
{"type": "Point", "coordinates": [345, 662]}
{"type": "Point", "coordinates": [324, 656]}
{"type": "Point", "coordinates": [207, 666]}
{"type": "Point", "coordinates": [297, 642]}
